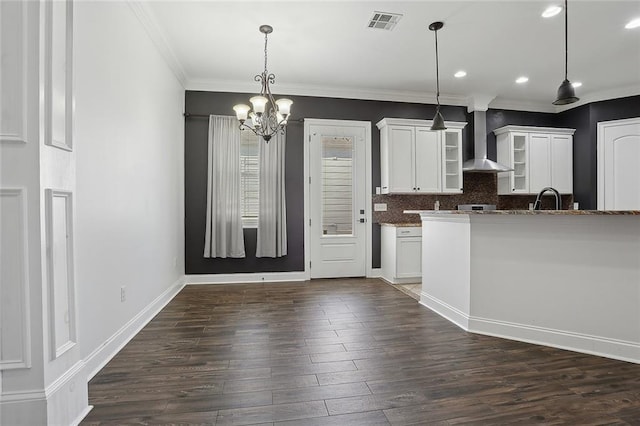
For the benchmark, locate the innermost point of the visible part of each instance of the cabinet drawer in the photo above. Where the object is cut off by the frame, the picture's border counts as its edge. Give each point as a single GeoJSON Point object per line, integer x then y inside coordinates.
{"type": "Point", "coordinates": [408, 231]}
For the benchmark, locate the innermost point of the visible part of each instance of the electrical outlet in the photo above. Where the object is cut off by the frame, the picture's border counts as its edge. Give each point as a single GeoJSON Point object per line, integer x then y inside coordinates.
{"type": "Point", "coordinates": [123, 293]}
{"type": "Point", "coordinates": [380, 207]}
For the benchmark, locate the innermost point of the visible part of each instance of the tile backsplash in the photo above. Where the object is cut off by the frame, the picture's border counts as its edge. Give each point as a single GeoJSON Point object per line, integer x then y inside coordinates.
{"type": "Point", "coordinates": [479, 188]}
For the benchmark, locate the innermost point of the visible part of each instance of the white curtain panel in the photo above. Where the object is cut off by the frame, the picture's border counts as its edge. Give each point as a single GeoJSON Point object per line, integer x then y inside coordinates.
{"type": "Point", "coordinates": [223, 235]}
{"type": "Point", "coordinates": [272, 216]}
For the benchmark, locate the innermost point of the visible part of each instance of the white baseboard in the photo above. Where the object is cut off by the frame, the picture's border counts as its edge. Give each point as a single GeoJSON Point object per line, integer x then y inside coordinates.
{"type": "Point", "coordinates": [63, 402]}
{"type": "Point", "coordinates": [414, 280]}
{"type": "Point", "coordinates": [259, 277]}
{"type": "Point", "coordinates": [374, 273]}
{"type": "Point", "coordinates": [577, 342]}
{"type": "Point", "coordinates": [102, 355]}
{"type": "Point", "coordinates": [82, 415]}
{"type": "Point", "coordinates": [27, 407]}
{"type": "Point", "coordinates": [67, 396]}
{"type": "Point", "coordinates": [445, 310]}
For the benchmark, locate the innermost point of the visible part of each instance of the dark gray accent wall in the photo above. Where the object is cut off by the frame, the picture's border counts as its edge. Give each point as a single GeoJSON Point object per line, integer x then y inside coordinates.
{"type": "Point", "coordinates": [585, 120]}
{"type": "Point", "coordinates": [303, 107]}
{"type": "Point", "coordinates": [497, 118]}
{"type": "Point", "coordinates": [584, 161]}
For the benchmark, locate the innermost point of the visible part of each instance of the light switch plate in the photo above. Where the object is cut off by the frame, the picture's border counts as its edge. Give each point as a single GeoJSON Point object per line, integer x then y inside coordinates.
{"type": "Point", "coordinates": [380, 207]}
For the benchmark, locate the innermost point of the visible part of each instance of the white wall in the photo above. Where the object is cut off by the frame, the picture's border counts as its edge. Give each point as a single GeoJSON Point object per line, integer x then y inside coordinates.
{"type": "Point", "coordinates": [129, 141]}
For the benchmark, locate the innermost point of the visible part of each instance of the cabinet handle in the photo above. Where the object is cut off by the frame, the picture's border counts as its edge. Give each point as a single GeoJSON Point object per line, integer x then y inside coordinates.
{"type": "Point", "coordinates": [418, 189]}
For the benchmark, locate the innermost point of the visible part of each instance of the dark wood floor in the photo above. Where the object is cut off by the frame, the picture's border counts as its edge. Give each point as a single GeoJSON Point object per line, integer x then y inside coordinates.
{"type": "Point", "coordinates": [345, 352]}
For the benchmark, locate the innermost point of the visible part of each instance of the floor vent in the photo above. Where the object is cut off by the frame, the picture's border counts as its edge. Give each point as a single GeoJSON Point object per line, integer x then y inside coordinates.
{"type": "Point", "coordinates": [384, 20]}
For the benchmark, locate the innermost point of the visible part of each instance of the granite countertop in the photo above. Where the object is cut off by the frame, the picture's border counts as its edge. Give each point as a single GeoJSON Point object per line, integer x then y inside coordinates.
{"type": "Point", "coordinates": [530, 212]}
{"type": "Point", "coordinates": [402, 225]}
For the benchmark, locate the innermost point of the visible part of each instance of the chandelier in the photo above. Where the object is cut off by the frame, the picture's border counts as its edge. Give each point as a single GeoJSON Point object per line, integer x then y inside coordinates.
{"type": "Point", "coordinates": [265, 120]}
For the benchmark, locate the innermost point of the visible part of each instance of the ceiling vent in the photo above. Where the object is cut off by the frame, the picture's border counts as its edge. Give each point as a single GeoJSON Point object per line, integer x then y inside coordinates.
{"type": "Point", "coordinates": [384, 20]}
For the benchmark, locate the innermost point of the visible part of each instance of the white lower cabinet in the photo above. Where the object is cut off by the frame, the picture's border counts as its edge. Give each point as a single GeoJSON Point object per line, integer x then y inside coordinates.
{"type": "Point", "coordinates": [401, 254]}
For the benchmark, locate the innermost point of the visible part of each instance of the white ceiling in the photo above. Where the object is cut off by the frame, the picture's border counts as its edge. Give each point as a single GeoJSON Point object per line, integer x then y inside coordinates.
{"type": "Point", "coordinates": [324, 48]}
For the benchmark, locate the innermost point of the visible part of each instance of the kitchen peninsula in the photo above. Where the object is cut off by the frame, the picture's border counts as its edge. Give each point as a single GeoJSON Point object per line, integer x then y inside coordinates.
{"type": "Point", "coordinates": [562, 278]}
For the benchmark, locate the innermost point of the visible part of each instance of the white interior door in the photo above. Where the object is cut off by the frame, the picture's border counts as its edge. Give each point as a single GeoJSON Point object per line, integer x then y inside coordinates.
{"type": "Point", "coordinates": [337, 203]}
{"type": "Point", "coordinates": [618, 159]}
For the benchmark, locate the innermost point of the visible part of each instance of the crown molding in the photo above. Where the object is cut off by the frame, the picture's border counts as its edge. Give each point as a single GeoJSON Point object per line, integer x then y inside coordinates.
{"type": "Point", "coordinates": [157, 36]}
{"type": "Point", "coordinates": [327, 92]}
{"type": "Point", "coordinates": [515, 105]}
{"type": "Point", "coordinates": [403, 96]}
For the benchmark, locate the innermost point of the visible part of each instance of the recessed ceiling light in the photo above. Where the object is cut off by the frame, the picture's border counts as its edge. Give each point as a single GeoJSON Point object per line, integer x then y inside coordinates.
{"type": "Point", "coordinates": [551, 11]}
{"type": "Point", "coordinates": [576, 84]}
{"type": "Point", "coordinates": [522, 79]}
{"type": "Point", "coordinates": [460, 74]}
{"type": "Point", "coordinates": [634, 23]}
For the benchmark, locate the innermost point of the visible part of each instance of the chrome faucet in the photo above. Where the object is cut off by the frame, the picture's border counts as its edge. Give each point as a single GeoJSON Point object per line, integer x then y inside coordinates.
{"type": "Point", "coordinates": [538, 202]}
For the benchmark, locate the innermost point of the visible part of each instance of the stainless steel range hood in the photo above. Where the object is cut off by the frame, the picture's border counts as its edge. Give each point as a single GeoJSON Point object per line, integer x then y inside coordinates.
{"type": "Point", "coordinates": [481, 163]}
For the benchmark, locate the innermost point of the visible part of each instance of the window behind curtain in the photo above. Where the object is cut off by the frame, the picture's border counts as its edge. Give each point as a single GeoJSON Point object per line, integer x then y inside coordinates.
{"type": "Point", "coordinates": [249, 179]}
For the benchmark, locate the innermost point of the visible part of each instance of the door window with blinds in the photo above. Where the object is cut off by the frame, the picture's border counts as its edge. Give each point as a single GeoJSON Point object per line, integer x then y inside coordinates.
{"type": "Point", "coordinates": [249, 179]}
{"type": "Point", "coordinates": [337, 183]}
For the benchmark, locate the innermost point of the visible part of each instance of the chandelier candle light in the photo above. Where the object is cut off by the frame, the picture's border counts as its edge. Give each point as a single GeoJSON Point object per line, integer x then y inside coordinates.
{"type": "Point", "coordinates": [265, 120]}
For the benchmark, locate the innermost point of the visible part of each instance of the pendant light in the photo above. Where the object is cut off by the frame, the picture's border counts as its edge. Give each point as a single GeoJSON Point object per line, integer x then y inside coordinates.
{"type": "Point", "coordinates": [438, 120]}
{"type": "Point", "coordinates": [566, 92]}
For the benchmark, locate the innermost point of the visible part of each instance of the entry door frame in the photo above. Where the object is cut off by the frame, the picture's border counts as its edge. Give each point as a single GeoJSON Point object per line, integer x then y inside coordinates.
{"type": "Point", "coordinates": [601, 178]}
{"type": "Point", "coordinates": [308, 122]}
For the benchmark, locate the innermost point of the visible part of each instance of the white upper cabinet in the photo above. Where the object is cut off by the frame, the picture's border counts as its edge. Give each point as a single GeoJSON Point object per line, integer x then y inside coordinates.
{"type": "Point", "coordinates": [452, 160]}
{"type": "Point", "coordinates": [399, 160]}
{"type": "Point", "coordinates": [562, 163]}
{"type": "Point", "coordinates": [539, 157]}
{"type": "Point", "coordinates": [415, 159]}
{"type": "Point", "coordinates": [427, 153]}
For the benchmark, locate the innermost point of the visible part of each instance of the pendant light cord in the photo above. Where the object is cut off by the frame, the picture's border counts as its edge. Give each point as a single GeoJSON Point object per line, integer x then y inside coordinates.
{"type": "Point", "coordinates": [566, 39]}
{"type": "Point", "coordinates": [438, 73]}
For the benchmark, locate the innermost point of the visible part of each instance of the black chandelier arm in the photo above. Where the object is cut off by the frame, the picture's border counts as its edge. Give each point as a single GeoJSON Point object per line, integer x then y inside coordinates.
{"type": "Point", "coordinates": [269, 124]}
{"type": "Point", "coordinates": [265, 80]}
{"type": "Point", "coordinates": [267, 127]}
{"type": "Point", "coordinates": [271, 78]}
